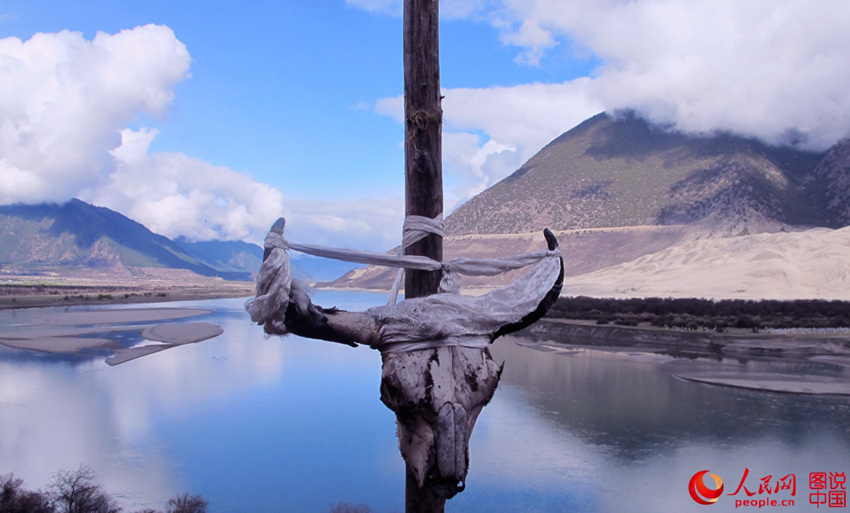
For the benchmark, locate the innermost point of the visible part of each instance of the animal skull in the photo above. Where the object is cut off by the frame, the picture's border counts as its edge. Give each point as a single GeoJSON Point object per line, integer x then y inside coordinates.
{"type": "Point", "coordinates": [437, 395]}
{"type": "Point", "coordinates": [437, 373]}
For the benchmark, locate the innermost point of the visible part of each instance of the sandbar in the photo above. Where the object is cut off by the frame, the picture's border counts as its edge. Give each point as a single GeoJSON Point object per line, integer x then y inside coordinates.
{"type": "Point", "coordinates": [182, 333]}
{"type": "Point", "coordinates": [774, 382]}
{"type": "Point", "coordinates": [125, 355]}
{"type": "Point", "coordinates": [58, 344]}
{"type": "Point", "coordinates": [115, 316]}
{"type": "Point", "coordinates": [67, 332]}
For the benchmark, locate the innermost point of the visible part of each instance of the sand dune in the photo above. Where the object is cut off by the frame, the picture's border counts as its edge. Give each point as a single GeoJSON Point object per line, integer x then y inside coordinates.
{"type": "Point", "coordinates": [808, 264]}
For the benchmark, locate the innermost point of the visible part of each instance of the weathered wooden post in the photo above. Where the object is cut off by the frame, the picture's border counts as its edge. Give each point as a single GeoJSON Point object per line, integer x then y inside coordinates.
{"type": "Point", "coordinates": [423, 173]}
{"type": "Point", "coordinates": [437, 373]}
{"type": "Point", "coordinates": [423, 129]}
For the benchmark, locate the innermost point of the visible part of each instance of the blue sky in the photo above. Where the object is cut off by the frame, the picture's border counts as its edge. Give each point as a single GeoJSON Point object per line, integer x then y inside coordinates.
{"type": "Point", "coordinates": [211, 119]}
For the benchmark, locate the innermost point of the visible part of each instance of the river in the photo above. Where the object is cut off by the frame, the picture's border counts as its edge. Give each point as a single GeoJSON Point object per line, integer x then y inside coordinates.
{"type": "Point", "coordinates": [257, 424]}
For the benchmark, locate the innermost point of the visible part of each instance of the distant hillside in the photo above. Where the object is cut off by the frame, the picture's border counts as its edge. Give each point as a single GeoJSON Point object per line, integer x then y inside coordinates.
{"type": "Point", "coordinates": [237, 259]}
{"type": "Point", "coordinates": [811, 264]}
{"type": "Point", "coordinates": [77, 234]}
{"type": "Point", "coordinates": [616, 189]}
{"type": "Point", "coordinates": [831, 178]}
{"type": "Point", "coordinates": [614, 171]}
{"type": "Point", "coordinates": [318, 269]}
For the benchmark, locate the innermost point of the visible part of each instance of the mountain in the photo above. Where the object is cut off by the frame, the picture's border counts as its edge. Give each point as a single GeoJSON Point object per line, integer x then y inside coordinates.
{"type": "Point", "coordinates": [616, 171]}
{"type": "Point", "coordinates": [616, 189]}
{"type": "Point", "coordinates": [231, 259]}
{"type": "Point", "coordinates": [831, 178]}
{"type": "Point", "coordinates": [77, 234]}
{"type": "Point", "coordinates": [320, 269]}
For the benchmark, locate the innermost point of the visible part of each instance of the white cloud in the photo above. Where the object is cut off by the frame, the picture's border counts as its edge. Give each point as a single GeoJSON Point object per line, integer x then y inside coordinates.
{"type": "Point", "coordinates": [533, 37]}
{"type": "Point", "coordinates": [63, 101]}
{"type": "Point", "coordinates": [773, 69]}
{"type": "Point", "coordinates": [467, 164]}
{"type": "Point", "coordinates": [526, 117]}
{"type": "Point", "coordinates": [766, 68]}
{"type": "Point", "coordinates": [173, 194]}
{"type": "Point", "coordinates": [367, 224]}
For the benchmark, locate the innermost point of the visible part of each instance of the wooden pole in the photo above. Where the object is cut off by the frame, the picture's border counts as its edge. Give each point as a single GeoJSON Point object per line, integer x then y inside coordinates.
{"type": "Point", "coordinates": [423, 132]}
{"type": "Point", "coordinates": [423, 171]}
{"type": "Point", "coordinates": [436, 393]}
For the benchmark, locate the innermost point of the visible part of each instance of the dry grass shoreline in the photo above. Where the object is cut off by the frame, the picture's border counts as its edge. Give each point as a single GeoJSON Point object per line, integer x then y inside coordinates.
{"type": "Point", "coordinates": [45, 293]}
{"type": "Point", "coordinates": [741, 343]}
{"type": "Point", "coordinates": [77, 332]}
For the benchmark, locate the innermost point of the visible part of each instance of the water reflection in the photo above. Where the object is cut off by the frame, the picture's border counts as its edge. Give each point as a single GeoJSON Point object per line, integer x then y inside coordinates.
{"type": "Point", "coordinates": [247, 421]}
{"type": "Point", "coordinates": [267, 425]}
{"type": "Point", "coordinates": [58, 411]}
{"type": "Point", "coordinates": [652, 431]}
{"type": "Point", "coordinates": [632, 402]}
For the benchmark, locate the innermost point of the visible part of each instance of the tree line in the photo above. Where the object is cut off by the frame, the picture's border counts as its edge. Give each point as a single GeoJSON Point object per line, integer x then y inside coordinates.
{"type": "Point", "coordinates": [76, 491]}
{"type": "Point", "coordinates": [692, 313]}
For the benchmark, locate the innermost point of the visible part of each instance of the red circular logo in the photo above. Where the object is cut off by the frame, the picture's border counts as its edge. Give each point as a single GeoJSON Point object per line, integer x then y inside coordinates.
{"type": "Point", "coordinates": [703, 494]}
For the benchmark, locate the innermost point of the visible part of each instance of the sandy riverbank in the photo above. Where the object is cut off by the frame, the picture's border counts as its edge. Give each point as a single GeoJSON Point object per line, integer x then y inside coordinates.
{"type": "Point", "coordinates": [97, 332]}
{"type": "Point", "coordinates": [740, 343]}
{"type": "Point", "coordinates": [717, 350]}
{"type": "Point", "coordinates": [44, 293]}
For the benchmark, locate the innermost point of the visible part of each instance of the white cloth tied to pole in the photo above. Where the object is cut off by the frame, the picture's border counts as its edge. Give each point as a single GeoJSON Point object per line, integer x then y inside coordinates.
{"type": "Point", "coordinates": [468, 321]}
{"type": "Point", "coordinates": [450, 268]}
{"type": "Point", "coordinates": [415, 229]}
{"type": "Point", "coordinates": [273, 240]}
{"type": "Point", "coordinates": [444, 319]}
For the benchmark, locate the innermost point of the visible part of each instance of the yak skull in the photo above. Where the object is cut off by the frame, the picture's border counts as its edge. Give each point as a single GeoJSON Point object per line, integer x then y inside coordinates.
{"type": "Point", "coordinates": [437, 395]}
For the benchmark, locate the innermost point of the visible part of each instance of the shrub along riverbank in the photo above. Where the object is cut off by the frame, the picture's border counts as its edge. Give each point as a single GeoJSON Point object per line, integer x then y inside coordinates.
{"type": "Point", "coordinates": [76, 491]}
{"type": "Point", "coordinates": [705, 314]}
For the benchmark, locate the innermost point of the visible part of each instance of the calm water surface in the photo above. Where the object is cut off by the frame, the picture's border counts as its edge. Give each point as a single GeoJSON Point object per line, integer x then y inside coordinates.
{"type": "Point", "coordinates": [259, 424]}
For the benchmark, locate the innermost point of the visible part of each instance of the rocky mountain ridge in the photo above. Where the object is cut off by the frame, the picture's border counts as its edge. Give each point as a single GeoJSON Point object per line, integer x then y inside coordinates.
{"type": "Point", "coordinates": [616, 189]}
{"type": "Point", "coordinates": [76, 234]}
{"type": "Point", "coordinates": [614, 171]}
